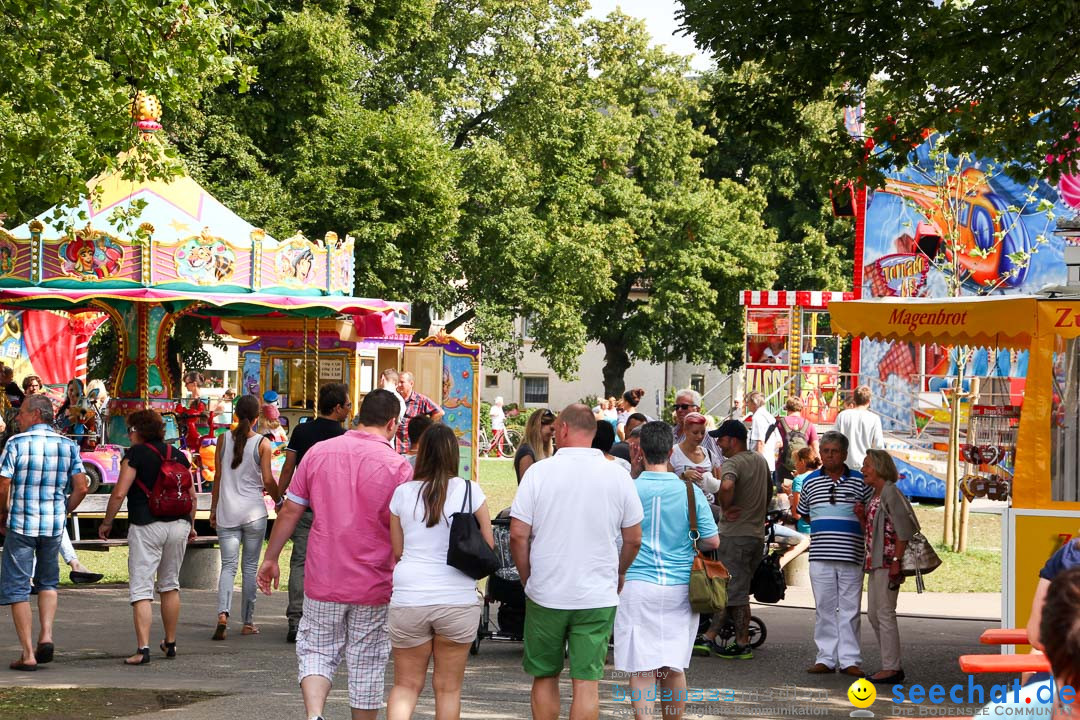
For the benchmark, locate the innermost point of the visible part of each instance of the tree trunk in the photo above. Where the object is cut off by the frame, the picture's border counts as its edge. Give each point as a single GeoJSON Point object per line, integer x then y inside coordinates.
{"type": "Point", "coordinates": [616, 363]}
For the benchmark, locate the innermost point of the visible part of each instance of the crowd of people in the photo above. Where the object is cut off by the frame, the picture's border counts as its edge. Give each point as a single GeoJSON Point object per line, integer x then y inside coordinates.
{"type": "Point", "coordinates": [368, 512]}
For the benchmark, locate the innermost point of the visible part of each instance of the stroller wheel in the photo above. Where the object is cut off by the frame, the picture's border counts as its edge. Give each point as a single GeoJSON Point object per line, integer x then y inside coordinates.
{"type": "Point", "coordinates": [474, 649]}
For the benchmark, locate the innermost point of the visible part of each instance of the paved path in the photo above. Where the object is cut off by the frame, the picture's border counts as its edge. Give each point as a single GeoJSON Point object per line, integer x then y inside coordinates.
{"type": "Point", "coordinates": [258, 673]}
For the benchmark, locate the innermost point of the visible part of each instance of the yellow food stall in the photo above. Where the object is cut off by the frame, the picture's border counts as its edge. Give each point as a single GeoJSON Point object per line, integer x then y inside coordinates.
{"type": "Point", "coordinates": [1043, 510]}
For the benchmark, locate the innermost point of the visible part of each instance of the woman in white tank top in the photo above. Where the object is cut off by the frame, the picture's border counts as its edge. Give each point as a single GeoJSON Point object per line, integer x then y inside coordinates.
{"type": "Point", "coordinates": [238, 511]}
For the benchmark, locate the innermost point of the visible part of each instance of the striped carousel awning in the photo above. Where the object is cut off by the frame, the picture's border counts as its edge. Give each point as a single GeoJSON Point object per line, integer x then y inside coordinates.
{"type": "Point", "coordinates": [792, 298]}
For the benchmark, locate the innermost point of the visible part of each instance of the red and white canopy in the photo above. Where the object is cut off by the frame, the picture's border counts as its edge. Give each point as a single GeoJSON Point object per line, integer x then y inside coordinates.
{"type": "Point", "coordinates": [792, 298]}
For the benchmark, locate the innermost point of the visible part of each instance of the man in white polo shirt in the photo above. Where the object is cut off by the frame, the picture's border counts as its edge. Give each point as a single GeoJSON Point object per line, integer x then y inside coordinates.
{"type": "Point", "coordinates": [566, 520]}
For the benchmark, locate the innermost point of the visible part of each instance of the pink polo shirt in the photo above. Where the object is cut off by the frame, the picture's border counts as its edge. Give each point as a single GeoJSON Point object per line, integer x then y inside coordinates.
{"type": "Point", "coordinates": [348, 482]}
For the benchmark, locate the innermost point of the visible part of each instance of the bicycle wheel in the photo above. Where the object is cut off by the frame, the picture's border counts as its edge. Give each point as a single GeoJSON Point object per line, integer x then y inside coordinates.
{"type": "Point", "coordinates": [509, 442]}
{"type": "Point", "coordinates": [482, 444]}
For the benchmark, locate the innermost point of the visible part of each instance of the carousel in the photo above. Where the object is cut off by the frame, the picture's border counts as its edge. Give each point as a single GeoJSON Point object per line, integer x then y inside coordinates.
{"type": "Point", "coordinates": [147, 252]}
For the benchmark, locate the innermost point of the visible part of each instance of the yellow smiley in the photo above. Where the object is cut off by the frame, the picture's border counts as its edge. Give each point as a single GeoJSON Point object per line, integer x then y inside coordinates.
{"type": "Point", "coordinates": [862, 693]}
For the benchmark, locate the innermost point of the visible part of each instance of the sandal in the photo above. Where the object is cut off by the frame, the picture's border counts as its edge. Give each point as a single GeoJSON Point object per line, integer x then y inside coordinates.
{"type": "Point", "coordinates": [220, 631]}
{"type": "Point", "coordinates": [44, 653]}
{"type": "Point", "coordinates": [144, 658]}
{"type": "Point", "coordinates": [169, 648]}
{"type": "Point", "coordinates": [23, 667]}
{"type": "Point", "coordinates": [249, 630]}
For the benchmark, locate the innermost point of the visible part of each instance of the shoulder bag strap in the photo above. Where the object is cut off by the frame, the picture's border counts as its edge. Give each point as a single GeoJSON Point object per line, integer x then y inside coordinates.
{"type": "Point", "coordinates": [691, 511]}
{"type": "Point", "coordinates": [467, 500]}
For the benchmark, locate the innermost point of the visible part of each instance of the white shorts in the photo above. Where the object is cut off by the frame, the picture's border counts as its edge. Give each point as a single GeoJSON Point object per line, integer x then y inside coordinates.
{"type": "Point", "coordinates": [155, 549]}
{"type": "Point", "coordinates": [330, 631]}
{"type": "Point", "coordinates": [654, 627]}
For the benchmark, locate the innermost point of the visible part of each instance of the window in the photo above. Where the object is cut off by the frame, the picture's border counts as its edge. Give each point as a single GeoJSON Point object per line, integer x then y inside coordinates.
{"type": "Point", "coordinates": [526, 327]}
{"type": "Point", "coordinates": [535, 390]}
{"type": "Point", "coordinates": [491, 381]}
{"type": "Point", "coordinates": [697, 384]}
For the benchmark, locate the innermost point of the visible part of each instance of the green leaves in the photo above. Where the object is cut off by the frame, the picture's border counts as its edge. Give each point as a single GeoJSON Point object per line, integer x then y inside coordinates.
{"type": "Point", "coordinates": [979, 71]}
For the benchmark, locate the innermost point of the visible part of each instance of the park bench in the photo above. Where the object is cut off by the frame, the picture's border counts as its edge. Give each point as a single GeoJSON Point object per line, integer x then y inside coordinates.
{"type": "Point", "coordinates": [202, 562]}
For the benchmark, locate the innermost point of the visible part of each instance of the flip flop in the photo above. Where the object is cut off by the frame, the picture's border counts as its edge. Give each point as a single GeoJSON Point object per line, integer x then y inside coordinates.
{"type": "Point", "coordinates": [220, 631]}
{"type": "Point", "coordinates": [44, 653]}
{"type": "Point", "coordinates": [249, 630]}
{"type": "Point", "coordinates": [22, 667]}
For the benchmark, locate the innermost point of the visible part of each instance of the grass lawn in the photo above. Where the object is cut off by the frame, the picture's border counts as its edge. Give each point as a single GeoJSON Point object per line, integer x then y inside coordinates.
{"type": "Point", "coordinates": [979, 570]}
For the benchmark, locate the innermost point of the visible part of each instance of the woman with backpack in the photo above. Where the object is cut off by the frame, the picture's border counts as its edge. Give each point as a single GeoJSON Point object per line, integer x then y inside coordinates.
{"type": "Point", "coordinates": [158, 532]}
{"type": "Point", "coordinates": [796, 432]}
{"type": "Point", "coordinates": [238, 511]}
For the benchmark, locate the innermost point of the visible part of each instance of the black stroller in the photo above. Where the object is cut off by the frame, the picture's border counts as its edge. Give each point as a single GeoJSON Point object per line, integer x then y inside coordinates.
{"type": "Point", "coordinates": [503, 587]}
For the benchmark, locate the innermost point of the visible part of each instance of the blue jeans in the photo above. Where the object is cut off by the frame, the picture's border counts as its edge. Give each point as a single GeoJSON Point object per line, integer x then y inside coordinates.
{"type": "Point", "coordinates": [229, 541]}
{"type": "Point", "coordinates": [17, 566]}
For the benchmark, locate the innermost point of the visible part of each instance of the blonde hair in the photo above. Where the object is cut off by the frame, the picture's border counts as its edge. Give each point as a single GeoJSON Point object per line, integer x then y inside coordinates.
{"type": "Point", "coordinates": [533, 433]}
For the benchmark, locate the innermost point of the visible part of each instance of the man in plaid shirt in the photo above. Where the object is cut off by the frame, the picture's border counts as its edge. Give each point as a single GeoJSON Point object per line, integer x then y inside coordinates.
{"type": "Point", "coordinates": [415, 404]}
{"type": "Point", "coordinates": [35, 470]}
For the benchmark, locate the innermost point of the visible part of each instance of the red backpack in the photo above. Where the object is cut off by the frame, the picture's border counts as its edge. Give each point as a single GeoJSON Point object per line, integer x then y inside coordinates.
{"type": "Point", "coordinates": [171, 496]}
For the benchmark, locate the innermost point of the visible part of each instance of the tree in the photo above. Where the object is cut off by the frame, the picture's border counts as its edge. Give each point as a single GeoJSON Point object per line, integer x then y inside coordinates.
{"type": "Point", "coordinates": [71, 69]}
{"type": "Point", "coordinates": [976, 70]}
{"type": "Point", "coordinates": [593, 212]}
{"type": "Point", "coordinates": [779, 153]}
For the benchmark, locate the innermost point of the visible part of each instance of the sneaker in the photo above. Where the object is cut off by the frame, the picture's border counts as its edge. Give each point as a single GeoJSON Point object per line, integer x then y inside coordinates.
{"type": "Point", "coordinates": [703, 646]}
{"type": "Point", "coordinates": [736, 652]}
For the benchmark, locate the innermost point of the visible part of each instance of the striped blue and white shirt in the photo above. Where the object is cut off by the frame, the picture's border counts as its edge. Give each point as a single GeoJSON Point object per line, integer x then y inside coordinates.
{"type": "Point", "coordinates": [835, 532]}
{"type": "Point", "coordinates": [666, 553]}
{"type": "Point", "coordinates": [40, 463]}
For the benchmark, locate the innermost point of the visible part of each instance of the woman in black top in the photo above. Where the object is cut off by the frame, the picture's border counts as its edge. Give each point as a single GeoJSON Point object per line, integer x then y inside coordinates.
{"type": "Point", "coordinates": [156, 544]}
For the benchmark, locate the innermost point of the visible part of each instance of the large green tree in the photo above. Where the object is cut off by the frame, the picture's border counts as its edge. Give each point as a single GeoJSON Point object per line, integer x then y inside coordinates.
{"type": "Point", "coordinates": [70, 68]}
{"type": "Point", "coordinates": [995, 75]}
{"type": "Point", "coordinates": [780, 156]}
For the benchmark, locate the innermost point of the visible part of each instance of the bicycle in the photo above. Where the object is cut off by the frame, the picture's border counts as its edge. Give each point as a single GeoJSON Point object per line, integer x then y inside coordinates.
{"type": "Point", "coordinates": [507, 445]}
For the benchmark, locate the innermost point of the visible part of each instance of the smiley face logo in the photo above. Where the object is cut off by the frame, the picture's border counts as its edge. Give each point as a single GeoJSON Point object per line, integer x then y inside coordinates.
{"type": "Point", "coordinates": [862, 693]}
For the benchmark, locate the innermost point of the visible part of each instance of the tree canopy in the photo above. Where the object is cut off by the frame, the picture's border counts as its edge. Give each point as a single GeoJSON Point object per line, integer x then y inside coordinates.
{"type": "Point", "coordinates": [498, 158]}
{"type": "Point", "coordinates": [989, 74]}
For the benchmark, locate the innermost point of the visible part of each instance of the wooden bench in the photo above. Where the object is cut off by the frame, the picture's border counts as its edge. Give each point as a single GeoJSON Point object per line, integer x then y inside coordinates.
{"type": "Point", "coordinates": [93, 507]}
{"type": "Point", "coordinates": [202, 562]}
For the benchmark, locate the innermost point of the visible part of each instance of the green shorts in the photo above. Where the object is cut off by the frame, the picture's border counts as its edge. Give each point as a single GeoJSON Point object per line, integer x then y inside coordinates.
{"type": "Point", "coordinates": [548, 631]}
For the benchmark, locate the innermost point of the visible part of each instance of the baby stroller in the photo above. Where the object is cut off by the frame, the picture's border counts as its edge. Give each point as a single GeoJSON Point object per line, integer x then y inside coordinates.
{"type": "Point", "coordinates": [503, 587]}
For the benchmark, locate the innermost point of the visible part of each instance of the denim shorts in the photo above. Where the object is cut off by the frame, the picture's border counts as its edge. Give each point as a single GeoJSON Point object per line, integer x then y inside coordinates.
{"type": "Point", "coordinates": [17, 566]}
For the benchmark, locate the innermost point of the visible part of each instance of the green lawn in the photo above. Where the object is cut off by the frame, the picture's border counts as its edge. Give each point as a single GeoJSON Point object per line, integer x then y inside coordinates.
{"type": "Point", "coordinates": [979, 570]}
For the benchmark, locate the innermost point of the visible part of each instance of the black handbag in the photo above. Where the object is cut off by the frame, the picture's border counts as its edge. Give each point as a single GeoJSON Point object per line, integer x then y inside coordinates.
{"type": "Point", "coordinates": [468, 550]}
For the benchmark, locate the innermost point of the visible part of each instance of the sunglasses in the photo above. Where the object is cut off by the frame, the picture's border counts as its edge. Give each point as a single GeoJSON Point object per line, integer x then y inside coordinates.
{"type": "Point", "coordinates": [684, 406]}
{"type": "Point", "coordinates": [832, 493]}
{"type": "Point", "coordinates": [547, 417]}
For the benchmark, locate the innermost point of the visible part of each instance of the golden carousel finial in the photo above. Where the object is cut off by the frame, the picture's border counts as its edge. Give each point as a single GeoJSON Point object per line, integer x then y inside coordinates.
{"type": "Point", "coordinates": [146, 112]}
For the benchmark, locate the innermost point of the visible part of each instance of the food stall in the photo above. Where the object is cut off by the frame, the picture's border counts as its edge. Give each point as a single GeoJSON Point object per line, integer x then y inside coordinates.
{"type": "Point", "coordinates": [790, 349]}
{"type": "Point", "coordinates": [1037, 477]}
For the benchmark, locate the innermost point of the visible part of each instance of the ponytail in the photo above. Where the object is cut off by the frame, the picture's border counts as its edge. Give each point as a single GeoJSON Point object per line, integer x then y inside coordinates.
{"type": "Point", "coordinates": [247, 409]}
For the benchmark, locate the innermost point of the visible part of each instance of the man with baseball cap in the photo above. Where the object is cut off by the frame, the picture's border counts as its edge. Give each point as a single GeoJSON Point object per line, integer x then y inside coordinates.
{"type": "Point", "coordinates": [743, 498]}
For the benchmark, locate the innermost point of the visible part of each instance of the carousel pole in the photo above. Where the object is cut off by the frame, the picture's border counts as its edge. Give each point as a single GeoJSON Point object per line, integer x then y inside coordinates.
{"type": "Point", "coordinates": [315, 377]}
{"type": "Point", "coordinates": [305, 362]}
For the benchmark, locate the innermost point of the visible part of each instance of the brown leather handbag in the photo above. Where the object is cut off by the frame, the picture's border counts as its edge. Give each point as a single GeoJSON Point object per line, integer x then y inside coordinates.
{"type": "Point", "coordinates": [708, 578]}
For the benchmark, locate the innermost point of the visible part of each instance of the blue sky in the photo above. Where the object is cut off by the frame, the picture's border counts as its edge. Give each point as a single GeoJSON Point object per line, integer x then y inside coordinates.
{"type": "Point", "coordinates": [659, 16]}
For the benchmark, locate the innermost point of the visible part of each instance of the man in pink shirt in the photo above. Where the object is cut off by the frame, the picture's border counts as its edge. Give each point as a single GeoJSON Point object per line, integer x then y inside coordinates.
{"type": "Point", "coordinates": [347, 482]}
